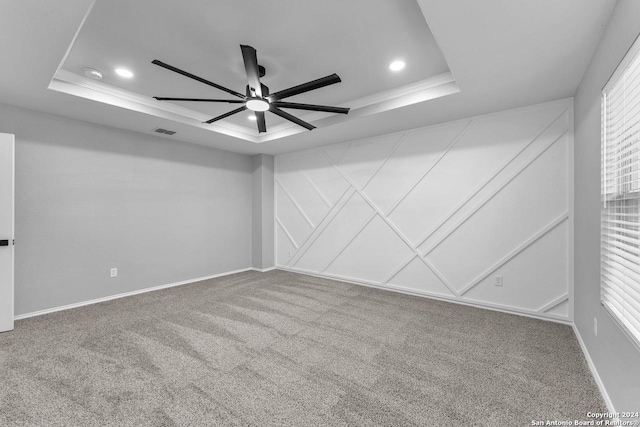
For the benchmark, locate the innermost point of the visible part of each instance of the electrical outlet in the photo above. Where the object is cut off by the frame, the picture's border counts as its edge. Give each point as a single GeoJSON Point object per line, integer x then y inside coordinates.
{"type": "Point", "coordinates": [289, 254]}
{"type": "Point", "coordinates": [498, 281]}
{"type": "Point", "coordinates": [114, 272]}
{"type": "Point", "coordinates": [595, 326]}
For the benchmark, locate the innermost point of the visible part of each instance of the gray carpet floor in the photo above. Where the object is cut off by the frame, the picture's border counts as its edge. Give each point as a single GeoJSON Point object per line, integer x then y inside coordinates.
{"type": "Point", "coordinates": [279, 348]}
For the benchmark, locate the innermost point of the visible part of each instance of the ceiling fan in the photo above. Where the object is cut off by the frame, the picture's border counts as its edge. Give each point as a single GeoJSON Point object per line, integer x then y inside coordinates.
{"type": "Point", "coordinates": [257, 96]}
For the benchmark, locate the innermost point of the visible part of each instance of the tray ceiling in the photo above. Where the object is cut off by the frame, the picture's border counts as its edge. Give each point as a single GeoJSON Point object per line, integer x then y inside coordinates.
{"type": "Point", "coordinates": [296, 42]}
{"type": "Point", "coordinates": [503, 55]}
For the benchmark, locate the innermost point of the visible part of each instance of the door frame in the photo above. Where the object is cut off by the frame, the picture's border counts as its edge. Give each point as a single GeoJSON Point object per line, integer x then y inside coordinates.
{"type": "Point", "coordinates": [7, 320]}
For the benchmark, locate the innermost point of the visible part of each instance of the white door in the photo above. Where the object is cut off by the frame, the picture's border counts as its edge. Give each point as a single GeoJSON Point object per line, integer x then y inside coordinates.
{"type": "Point", "coordinates": [6, 231]}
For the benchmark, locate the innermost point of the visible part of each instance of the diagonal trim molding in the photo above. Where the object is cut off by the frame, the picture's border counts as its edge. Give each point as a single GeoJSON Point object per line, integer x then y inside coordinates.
{"type": "Point", "coordinates": [384, 162]}
{"type": "Point", "coordinates": [286, 232]}
{"type": "Point", "coordinates": [473, 193]}
{"type": "Point", "coordinates": [552, 304]}
{"type": "Point", "coordinates": [488, 198]}
{"type": "Point", "coordinates": [530, 241]}
{"type": "Point", "coordinates": [424, 175]}
{"type": "Point", "coordinates": [344, 153]}
{"type": "Point", "coordinates": [313, 185]}
{"type": "Point", "coordinates": [335, 210]}
{"type": "Point", "coordinates": [351, 239]}
{"type": "Point", "coordinates": [392, 227]}
{"type": "Point", "coordinates": [401, 267]}
{"type": "Point", "coordinates": [537, 129]}
{"type": "Point", "coordinates": [304, 215]}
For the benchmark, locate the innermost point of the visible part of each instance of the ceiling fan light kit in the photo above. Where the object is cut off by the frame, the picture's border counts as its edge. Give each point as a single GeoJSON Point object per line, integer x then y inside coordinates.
{"type": "Point", "coordinates": [257, 96]}
{"type": "Point", "coordinates": [257, 104]}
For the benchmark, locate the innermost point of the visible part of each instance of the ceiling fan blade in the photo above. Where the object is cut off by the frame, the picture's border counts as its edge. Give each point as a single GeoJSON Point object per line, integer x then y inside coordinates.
{"type": "Point", "coordinates": [230, 101]}
{"type": "Point", "coordinates": [311, 107]}
{"type": "Point", "coordinates": [262, 124]}
{"type": "Point", "coordinates": [305, 87]}
{"type": "Point", "coordinates": [194, 77]}
{"type": "Point", "coordinates": [237, 110]}
{"type": "Point", "coordinates": [294, 119]}
{"type": "Point", "coordinates": [250, 58]}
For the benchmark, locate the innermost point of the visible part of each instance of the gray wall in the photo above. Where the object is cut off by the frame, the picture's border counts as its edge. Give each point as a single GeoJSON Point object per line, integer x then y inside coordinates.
{"type": "Point", "coordinates": [263, 211]}
{"type": "Point", "coordinates": [90, 197]}
{"type": "Point", "coordinates": [617, 360]}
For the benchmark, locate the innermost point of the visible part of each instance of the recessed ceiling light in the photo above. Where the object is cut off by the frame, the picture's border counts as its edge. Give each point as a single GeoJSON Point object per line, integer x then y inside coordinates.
{"type": "Point", "coordinates": [257, 104]}
{"type": "Point", "coordinates": [396, 65]}
{"type": "Point", "coordinates": [252, 117]}
{"type": "Point", "coordinates": [123, 72]}
{"type": "Point", "coordinates": [92, 73]}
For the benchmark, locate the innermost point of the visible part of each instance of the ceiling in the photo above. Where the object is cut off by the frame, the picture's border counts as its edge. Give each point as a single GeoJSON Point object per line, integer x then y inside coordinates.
{"type": "Point", "coordinates": [297, 42]}
{"type": "Point", "coordinates": [490, 55]}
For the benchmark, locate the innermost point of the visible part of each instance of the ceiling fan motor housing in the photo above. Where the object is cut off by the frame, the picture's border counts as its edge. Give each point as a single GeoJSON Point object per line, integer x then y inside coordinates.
{"type": "Point", "coordinates": [265, 91]}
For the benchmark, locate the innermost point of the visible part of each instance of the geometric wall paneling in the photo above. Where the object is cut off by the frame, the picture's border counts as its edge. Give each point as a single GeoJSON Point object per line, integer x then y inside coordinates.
{"type": "Point", "coordinates": [303, 192]}
{"type": "Point", "coordinates": [341, 229]}
{"type": "Point", "coordinates": [416, 276]}
{"type": "Point", "coordinates": [373, 254]}
{"type": "Point", "coordinates": [486, 146]}
{"type": "Point", "coordinates": [380, 216]}
{"type": "Point", "coordinates": [292, 218]}
{"type": "Point", "coordinates": [335, 152]}
{"type": "Point", "coordinates": [485, 191]}
{"type": "Point", "coordinates": [561, 310]}
{"type": "Point", "coordinates": [440, 210]}
{"type": "Point", "coordinates": [364, 158]}
{"type": "Point", "coordinates": [532, 200]}
{"type": "Point", "coordinates": [409, 162]}
{"type": "Point", "coordinates": [540, 271]}
{"type": "Point", "coordinates": [284, 244]}
{"type": "Point", "coordinates": [319, 229]}
{"type": "Point", "coordinates": [491, 269]}
{"type": "Point", "coordinates": [318, 171]}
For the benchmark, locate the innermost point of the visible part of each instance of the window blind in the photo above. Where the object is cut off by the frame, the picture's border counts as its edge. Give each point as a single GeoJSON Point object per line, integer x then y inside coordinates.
{"type": "Point", "coordinates": [620, 214]}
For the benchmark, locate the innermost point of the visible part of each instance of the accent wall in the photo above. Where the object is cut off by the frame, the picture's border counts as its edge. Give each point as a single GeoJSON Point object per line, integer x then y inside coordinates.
{"type": "Point", "coordinates": [476, 211]}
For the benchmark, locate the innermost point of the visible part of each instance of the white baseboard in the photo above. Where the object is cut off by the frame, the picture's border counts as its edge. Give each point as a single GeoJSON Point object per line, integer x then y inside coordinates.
{"type": "Point", "coordinates": [263, 270]}
{"type": "Point", "coordinates": [594, 372]}
{"type": "Point", "coordinates": [414, 292]}
{"type": "Point", "coordinates": [128, 294]}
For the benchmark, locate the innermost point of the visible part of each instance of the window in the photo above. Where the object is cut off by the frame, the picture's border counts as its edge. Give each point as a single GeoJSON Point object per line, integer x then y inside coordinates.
{"type": "Point", "coordinates": [620, 215]}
